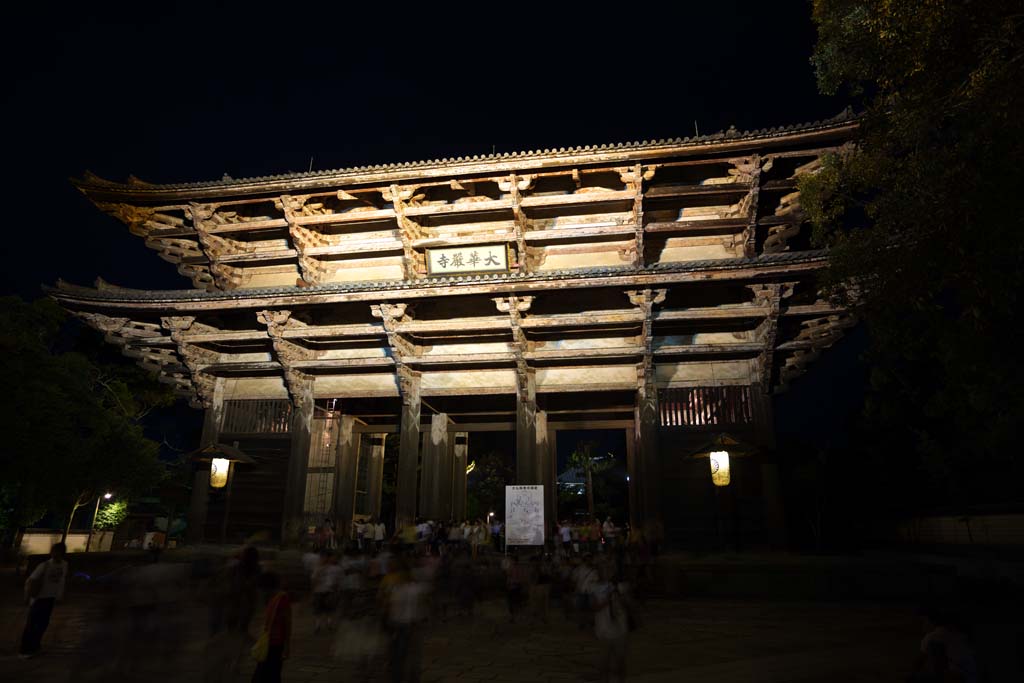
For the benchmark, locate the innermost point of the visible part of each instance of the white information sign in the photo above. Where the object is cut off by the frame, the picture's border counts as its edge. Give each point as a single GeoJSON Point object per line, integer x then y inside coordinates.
{"type": "Point", "coordinates": [484, 258]}
{"type": "Point", "coordinates": [524, 515]}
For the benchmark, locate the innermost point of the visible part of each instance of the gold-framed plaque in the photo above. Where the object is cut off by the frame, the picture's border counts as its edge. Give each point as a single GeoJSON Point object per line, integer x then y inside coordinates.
{"type": "Point", "coordinates": [477, 258]}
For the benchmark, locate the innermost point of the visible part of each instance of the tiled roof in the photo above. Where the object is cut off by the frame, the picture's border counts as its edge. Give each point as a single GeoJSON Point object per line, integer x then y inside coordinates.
{"type": "Point", "coordinates": [91, 181]}
{"type": "Point", "coordinates": [111, 293]}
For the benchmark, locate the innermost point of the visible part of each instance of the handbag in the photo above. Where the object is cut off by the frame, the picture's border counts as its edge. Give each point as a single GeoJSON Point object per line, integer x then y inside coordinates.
{"type": "Point", "coordinates": [261, 648]}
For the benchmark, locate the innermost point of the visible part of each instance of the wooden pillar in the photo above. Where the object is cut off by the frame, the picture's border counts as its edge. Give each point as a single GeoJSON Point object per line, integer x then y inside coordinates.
{"type": "Point", "coordinates": [631, 483]}
{"type": "Point", "coordinates": [460, 454]}
{"type": "Point", "coordinates": [408, 451]}
{"type": "Point", "coordinates": [546, 466]}
{"type": "Point", "coordinates": [553, 457]}
{"type": "Point", "coordinates": [774, 515]}
{"type": "Point", "coordinates": [293, 524]}
{"type": "Point", "coordinates": [527, 471]}
{"type": "Point", "coordinates": [646, 422]}
{"type": "Point", "coordinates": [212, 419]}
{"type": "Point", "coordinates": [432, 476]}
{"type": "Point", "coordinates": [375, 473]}
{"type": "Point", "coordinates": [425, 502]}
{"type": "Point", "coordinates": [345, 463]}
{"type": "Point", "coordinates": [442, 443]}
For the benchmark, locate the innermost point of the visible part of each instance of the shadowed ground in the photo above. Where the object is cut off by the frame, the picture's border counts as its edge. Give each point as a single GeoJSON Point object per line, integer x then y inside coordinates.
{"type": "Point", "coordinates": [709, 640]}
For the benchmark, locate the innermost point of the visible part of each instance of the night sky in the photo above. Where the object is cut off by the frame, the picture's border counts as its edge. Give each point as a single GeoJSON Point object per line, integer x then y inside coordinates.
{"type": "Point", "coordinates": [195, 93]}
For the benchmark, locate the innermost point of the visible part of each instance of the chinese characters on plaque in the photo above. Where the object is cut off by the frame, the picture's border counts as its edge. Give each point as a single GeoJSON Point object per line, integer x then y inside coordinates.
{"type": "Point", "coordinates": [488, 258]}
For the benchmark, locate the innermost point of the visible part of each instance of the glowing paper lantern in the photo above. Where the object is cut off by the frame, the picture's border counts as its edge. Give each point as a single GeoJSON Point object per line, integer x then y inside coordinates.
{"type": "Point", "coordinates": [720, 468]}
{"type": "Point", "coordinates": [219, 472]}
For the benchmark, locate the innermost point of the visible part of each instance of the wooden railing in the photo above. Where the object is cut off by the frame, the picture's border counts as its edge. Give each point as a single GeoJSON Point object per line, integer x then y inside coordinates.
{"type": "Point", "coordinates": [701, 407]}
{"type": "Point", "coordinates": [263, 416]}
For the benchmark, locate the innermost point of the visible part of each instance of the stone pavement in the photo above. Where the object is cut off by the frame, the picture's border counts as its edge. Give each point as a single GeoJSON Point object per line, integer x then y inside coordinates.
{"type": "Point", "coordinates": [708, 640]}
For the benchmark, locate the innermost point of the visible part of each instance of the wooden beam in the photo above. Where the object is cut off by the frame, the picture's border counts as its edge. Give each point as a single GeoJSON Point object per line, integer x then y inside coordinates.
{"type": "Point", "coordinates": [750, 232]}
{"type": "Point", "coordinates": [727, 272]}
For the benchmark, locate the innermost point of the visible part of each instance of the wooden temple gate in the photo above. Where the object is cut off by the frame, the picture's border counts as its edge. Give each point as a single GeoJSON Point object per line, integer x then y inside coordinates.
{"type": "Point", "coordinates": [664, 288]}
{"type": "Point", "coordinates": [342, 475]}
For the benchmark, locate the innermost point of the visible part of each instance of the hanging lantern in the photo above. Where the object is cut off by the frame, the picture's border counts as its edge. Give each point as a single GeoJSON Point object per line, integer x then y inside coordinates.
{"type": "Point", "coordinates": [219, 472]}
{"type": "Point", "coordinates": [720, 468]}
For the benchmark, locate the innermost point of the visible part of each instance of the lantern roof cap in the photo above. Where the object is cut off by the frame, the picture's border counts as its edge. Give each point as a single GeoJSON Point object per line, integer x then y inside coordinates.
{"type": "Point", "coordinates": [220, 450]}
{"type": "Point", "coordinates": [724, 442]}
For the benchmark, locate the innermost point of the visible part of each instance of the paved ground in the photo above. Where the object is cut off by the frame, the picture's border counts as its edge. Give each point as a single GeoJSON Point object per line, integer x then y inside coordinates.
{"type": "Point", "coordinates": [677, 641]}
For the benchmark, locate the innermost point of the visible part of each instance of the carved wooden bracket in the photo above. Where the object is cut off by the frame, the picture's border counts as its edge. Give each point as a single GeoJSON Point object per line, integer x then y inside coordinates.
{"type": "Point", "coordinates": [302, 238]}
{"type": "Point", "coordinates": [646, 300]}
{"type": "Point", "coordinates": [408, 384]}
{"type": "Point", "coordinates": [409, 229]}
{"type": "Point", "coordinates": [103, 323]}
{"type": "Point", "coordinates": [193, 357]}
{"type": "Point", "coordinates": [521, 224]}
{"type": "Point", "coordinates": [769, 295]}
{"type": "Point", "coordinates": [634, 178]}
{"type": "Point", "coordinates": [224, 277]}
{"type": "Point", "coordinates": [390, 315]}
{"type": "Point", "coordinates": [515, 306]}
{"type": "Point", "coordinates": [135, 217]}
{"type": "Point", "coordinates": [521, 304]}
{"type": "Point", "coordinates": [299, 384]}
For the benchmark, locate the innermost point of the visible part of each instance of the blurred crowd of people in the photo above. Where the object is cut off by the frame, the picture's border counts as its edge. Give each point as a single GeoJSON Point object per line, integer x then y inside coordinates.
{"type": "Point", "coordinates": [572, 537]}
{"type": "Point", "coordinates": [372, 589]}
{"type": "Point", "coordinates": [375, 597]}
{"type": "Point", "coordinates": [372, 598]}
{"type": "Point", "coordinates": [370, 592]}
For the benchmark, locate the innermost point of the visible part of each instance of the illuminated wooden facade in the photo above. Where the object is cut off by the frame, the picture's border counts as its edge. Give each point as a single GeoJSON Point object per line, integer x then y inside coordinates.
{"type": "Point", "coordinates": [665, 288]}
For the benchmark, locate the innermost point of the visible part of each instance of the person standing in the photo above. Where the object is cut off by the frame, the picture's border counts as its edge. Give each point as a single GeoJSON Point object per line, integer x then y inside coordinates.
{"type": "Point", "coordinates": [360, 532]}
{"type": "Point", "coordinates": [328, 540]}
{"type": "Point", "coordinates": [326, 585]}
{"type": "Point", "coordinates": [540, 587]}
{"type": "Point", "coordinates": [235, 598]}
{"type": "Point", "coordinates": [610, 532]}
{"type": "Point", "coordinates": [566, 534]}
{"type": "Point", "coordinates": [378, 534]}
{"type": "Point", "coordinates": [43, 588]}
{"type": "Point", "coordinates": [583, 577]}
{"type": "Point", "coordinates": [277, 622]}
{"type": "Point", "coordinates": [609, 601]}
{"type": "Point", "coordinates": [402, 599]}
{"type": "Point", "coordinates": [517, 584]}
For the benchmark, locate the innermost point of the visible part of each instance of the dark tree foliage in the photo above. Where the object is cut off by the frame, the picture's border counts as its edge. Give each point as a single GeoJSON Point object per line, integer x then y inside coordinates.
{"type": "Point", "coordinates": [70, 422]}
{"type": "Point", "coordinates": [924, 235]}
{"type": "Point", "coordinates": [485, 486]}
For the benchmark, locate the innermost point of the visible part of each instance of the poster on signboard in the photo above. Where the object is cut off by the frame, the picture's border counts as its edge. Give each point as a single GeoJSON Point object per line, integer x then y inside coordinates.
{"type": "Point", "coordinates": [524, 515]}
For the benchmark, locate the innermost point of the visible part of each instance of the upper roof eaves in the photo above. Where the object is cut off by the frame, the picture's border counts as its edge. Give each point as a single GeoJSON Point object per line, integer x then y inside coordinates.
{"type": "Point", "coordinates": [93, 184]}
{"type": "Point", "coordinates": [105, 292]}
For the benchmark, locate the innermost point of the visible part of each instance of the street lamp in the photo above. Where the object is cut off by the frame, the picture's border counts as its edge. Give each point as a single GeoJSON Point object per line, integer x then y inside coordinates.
{"type": "Point", "coordinates": [96, 511]}
{"type": "Point", "coordinates": [223, 459]}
